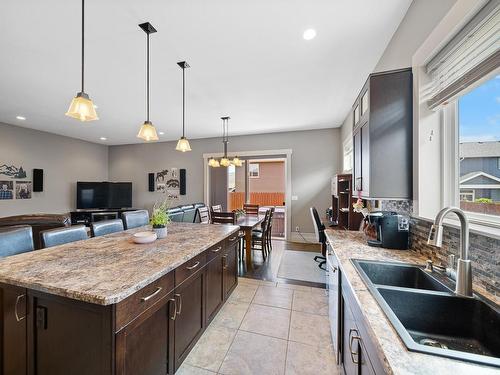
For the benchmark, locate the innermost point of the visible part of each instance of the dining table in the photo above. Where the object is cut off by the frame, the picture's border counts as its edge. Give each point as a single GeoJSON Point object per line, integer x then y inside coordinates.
{"type": "Point", "coordinates": [247, 223]}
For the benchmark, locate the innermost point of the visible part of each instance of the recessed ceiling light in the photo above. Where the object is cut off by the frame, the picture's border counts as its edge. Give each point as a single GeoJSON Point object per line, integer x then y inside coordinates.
{"type": "Point", "coordinates": [161, 133]}
{"type": "Point", "coordinates": [103, 139]}
{"type": "Point", "coordinates": [309, 34]}
{"type": "Point", "coordinates": [22, 118]}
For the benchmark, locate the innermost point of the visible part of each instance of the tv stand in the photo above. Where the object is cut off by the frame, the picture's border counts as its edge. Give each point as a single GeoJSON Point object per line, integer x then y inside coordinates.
{"type": "Point", "coordinates": [89, 216]}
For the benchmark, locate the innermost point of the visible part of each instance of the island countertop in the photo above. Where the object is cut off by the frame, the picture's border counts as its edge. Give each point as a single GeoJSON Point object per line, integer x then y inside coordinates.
{"type": "Point", "coordinates": [105, 270]}
{"type": "Point", "coordinates": [396, 357]}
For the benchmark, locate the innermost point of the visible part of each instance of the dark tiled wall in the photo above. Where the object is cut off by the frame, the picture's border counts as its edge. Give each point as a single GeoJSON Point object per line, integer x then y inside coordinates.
{"type": "Point", "coordinates": [484, 251]}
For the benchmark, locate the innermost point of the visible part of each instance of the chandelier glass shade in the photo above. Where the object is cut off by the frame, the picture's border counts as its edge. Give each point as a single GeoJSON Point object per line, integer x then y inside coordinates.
{"type": "Point", "coordinates": [225, 161]}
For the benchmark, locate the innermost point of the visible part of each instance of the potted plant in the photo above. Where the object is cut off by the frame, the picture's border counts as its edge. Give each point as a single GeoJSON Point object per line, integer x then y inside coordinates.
{"type": "Point", "coordinates": [160, 218]}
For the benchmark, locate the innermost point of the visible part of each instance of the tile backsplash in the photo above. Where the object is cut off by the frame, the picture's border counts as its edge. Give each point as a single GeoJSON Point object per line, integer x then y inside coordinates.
{"type": "Point", "coordinates": [484, 251]}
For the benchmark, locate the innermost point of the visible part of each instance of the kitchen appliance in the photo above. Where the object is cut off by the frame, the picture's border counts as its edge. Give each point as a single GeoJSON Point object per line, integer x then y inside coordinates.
{"type": "Point", "coordinates": [388, 229]}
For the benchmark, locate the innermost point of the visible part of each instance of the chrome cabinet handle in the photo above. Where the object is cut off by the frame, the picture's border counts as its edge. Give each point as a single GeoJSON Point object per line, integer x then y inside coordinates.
{"type": "Point", "coordinates": [217, 250]}
{"type": "Point", "coordinates": [158, 290]}
{"type": "Point", "coordinates": [232, 238]}
{"type": "Point", "coordinates": [193, 266]}
{"type": "Point", "coordinates": [175, 308]}
{"type": "Point", "coordinates": [351, 341]}
{"type": "Point", "coordinates": [224, 262]}
{"type": "Point", "coordinates": [178, 296]}
{"type": "Point", "coordinates": [333, 268]}
{"type": "Point", "coordinates": [18, 318]}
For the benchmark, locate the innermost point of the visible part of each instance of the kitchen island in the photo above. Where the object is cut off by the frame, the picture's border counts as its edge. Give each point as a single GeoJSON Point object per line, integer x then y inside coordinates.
{"type": "Point", "coordinates": [109, 306]}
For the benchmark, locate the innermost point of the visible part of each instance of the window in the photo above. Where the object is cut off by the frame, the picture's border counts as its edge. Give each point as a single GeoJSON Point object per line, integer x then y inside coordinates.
{"type": "Point", "coordinates": [253, 170]}
{"type": "Point", "coordinates": [347, 160]}
{"type": "Point", "coordinates": [479, 149]}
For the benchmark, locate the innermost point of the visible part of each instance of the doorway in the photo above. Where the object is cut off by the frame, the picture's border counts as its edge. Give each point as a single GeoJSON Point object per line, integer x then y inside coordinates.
{"type": "Point", "coordinates": [263, 179]}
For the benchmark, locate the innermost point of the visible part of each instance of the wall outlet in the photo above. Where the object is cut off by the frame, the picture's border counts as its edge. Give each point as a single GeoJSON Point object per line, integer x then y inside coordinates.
{"type": "Point", "coordinates": [297, 229]}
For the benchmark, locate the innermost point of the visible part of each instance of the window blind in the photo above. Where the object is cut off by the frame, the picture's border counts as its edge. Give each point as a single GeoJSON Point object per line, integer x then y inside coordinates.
{"type": "Point", "coordinates": [470, 55]}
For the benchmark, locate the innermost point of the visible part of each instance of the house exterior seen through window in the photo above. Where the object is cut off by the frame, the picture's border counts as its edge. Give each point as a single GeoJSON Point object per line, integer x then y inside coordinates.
{"type": "Point", "coordinates": [253, 170]}
{"type": "Point", "coordinates": [479, 149]}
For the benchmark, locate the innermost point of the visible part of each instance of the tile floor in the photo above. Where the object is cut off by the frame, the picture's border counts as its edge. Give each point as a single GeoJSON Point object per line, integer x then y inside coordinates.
{"type": "Point", "coordinates": [266, 328]}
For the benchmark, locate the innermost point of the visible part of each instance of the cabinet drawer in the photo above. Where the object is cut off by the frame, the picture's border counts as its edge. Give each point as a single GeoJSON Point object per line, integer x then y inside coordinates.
{"type": "Point", "coordinates": [190, 267]}
{"type": "Point", "coordinates": [133, 306]}
{"type": "Point", "coordinates": [215, 251]}
{"type": "Point", "coordinates": [232, 239]}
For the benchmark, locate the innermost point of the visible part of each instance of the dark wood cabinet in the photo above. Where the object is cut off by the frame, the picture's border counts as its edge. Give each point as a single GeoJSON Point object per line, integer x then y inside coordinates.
{"type": "Point", "coordinates": [215, 287]}
{"type": "Point", "coordinates": [342, 204]}
{"type": "Point", "coordinates": [383, 136]}
{"type": "Point", "coordinates": [13, 330]}
{"type": "Point", "coordinates": [145, 345]}
{"type": "Point", "coordinates": [190, 320]}
{"type": "Point", "coordinates": [230, 269]}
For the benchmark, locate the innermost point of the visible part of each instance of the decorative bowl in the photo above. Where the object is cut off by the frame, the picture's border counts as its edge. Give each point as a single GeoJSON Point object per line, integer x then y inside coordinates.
{"type": "Point", "coordinates": [144, 237]}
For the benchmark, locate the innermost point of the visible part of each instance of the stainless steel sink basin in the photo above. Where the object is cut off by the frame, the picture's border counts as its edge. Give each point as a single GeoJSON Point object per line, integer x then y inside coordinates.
{"type": "Point", "coordinates": [429, 317]}
{"type": "Point", "coordinates": [400, 275]}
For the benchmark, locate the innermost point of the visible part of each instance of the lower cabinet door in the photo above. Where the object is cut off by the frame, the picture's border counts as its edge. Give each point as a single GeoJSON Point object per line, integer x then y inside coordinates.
{"type": "Point", "coordinates": [14, 340]}
{"type": "Point", "coordinates": [230, 265]}
{"type": "Point", "coordinates": [333, 299]}
{"type": "Point", "coordinates": [215, 292]}
{"type": "Point", "coordinates": [145, 345]}
{"type": "Point", "coordinates": [190, 320]}
{"type": "Point", "coordinates": [350, 343]}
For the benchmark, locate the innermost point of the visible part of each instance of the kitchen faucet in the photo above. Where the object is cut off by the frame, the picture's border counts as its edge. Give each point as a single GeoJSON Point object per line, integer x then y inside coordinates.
{"type": "Point", "coordinates": [464, 271]}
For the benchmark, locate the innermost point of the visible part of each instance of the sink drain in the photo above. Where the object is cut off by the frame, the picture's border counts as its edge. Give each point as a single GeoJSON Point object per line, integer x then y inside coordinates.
{"type": "Point", "coordinates": [433, 343]}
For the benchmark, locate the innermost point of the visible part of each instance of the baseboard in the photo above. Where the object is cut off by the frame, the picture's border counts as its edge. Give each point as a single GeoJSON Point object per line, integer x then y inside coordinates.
{"type": "Point", "coordinates": [303, 237]}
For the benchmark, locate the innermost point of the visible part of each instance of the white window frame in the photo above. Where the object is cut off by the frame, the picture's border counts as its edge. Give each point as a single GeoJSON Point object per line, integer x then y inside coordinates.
{"type": "Point", "coordinates": [451, 161]}
{"type": "Point", "coordinates": [250, 175]}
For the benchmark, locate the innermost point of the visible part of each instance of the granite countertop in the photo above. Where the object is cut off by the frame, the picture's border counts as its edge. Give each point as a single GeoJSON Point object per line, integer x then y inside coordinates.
{"type": "Point", "coordinates": [105, 270]}
{"type": "Point", "coordinates": [396, 358]}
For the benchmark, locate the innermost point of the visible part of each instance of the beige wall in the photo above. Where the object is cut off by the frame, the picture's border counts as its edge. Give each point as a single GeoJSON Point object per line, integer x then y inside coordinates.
{"type": "Point", "coordinates": [64, 161]}
{"type": "Point", "coordinates": [271, 179]}
{"type": "Point", "coordinates": [315, 159]}
{"type": "Point", "coordinates": [420, 19]}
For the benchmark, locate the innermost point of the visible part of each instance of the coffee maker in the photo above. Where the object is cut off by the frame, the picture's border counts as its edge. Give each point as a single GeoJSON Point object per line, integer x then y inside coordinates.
{"type": "Point", "coordinates": [392, 230]}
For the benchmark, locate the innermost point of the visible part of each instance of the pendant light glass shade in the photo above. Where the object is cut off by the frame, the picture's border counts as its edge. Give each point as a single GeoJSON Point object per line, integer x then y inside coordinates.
{"type": "Point", "coordinates": [237, 162]}
{"type": "Point", "coordinates": [213, 163]}
{"type": "Point", "coordinates": [225, 162]}
{"type": "Point", "coordinates": [147, 132]}
{"type": "Point", "coordinates": [183, 145]}
{"type": "Point", "coordinates": [82, 108]}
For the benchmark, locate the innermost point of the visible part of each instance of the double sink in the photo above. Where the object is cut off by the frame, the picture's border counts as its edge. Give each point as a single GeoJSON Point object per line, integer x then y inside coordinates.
{"type": "Point", "coordinates": [429, 317]}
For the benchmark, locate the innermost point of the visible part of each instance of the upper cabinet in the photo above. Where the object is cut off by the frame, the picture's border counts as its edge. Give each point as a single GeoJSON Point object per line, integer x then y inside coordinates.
{"type": "Point", "coordinates": [382, 132]}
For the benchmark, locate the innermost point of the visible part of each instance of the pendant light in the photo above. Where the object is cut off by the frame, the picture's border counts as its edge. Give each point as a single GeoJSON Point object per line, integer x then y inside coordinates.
{"type": "Point", "coordinates": [81, 106]}
{"type": "Point", "coordinates": [213, 162]}
{"type": "Point", "coordinates": [224, 161]}
{"type": "Point", "coordinates": [147, 131]}
{"type": "Point", "coordinates": [183, 143]}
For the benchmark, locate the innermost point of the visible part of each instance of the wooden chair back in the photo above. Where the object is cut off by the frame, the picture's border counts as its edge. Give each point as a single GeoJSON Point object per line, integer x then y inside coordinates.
{"type": "Point", "coordinates": [203, 214]}
{"type": "Point", "coordinates": [251, 209]}
{"type": "Point", "coordinates": [217, 208]}
{"type": "Point", "coordinates": [223, 218]}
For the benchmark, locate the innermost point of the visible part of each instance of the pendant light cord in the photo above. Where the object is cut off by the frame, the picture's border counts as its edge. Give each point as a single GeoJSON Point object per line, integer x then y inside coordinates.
{"type": "Point", "coordinates": [183, 99]}
{"type": "Point", "coordinates": [83, 41]}
{"type": "Point", "coordinates": [147, 79]}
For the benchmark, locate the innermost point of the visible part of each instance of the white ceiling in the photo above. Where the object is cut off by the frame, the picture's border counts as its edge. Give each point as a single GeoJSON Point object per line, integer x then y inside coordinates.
{"type": "Point", "coordinates": [248, 60]}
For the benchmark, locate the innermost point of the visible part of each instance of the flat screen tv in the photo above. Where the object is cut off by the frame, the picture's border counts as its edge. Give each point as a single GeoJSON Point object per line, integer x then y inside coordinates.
{"type": "Point", "coordinates": [103, 195]}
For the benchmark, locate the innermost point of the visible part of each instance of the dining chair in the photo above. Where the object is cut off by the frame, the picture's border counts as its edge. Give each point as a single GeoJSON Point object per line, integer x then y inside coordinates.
{"type": "Point", "coordinates": [269, 232]}
{"type": "Point", "coordinates": [16, 240]}
{"type": "Point", "coordinates": [103, 227]}
{"type": "Point", "coordinates": [223, 218]}
{"type": "Point", "coordinates": [259, 237]}
{"type": "Point", "coordinates": [60, 236]}
{"type": "Point", "coordinates": [217, 208]}
{"type": "Point", "coordinates": [251, 209]}
{"type": "Point", "coordinates": [319, 230]}
{"type": "Point", "coordinates": [134, 219]}
{"type": "Point", "coordinates": [203, 215]}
